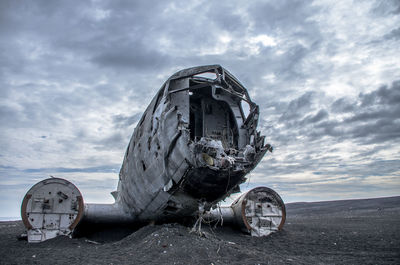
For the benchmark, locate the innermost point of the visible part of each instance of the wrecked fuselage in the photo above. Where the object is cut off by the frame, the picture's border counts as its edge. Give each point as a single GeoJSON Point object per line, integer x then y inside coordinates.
{"type": "Point", "coordinates": [192, 147]}
{"type": "Point", "coordinates": [194, 142]}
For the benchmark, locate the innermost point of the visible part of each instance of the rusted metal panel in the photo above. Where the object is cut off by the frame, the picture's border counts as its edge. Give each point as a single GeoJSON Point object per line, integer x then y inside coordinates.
{"type": "Point", "coordinates": [52, 207]}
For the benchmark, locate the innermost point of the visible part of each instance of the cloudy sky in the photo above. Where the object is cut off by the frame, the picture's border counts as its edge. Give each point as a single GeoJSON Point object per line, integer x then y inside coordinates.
{"type": "Point", "coordinates": [75, 77]}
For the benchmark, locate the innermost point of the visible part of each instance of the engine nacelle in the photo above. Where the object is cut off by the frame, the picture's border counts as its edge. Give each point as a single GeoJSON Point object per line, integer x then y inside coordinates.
{"type": "Point", "coordinates": [52, 207]}
{"type": "Point", "coordinates": [260, 212]}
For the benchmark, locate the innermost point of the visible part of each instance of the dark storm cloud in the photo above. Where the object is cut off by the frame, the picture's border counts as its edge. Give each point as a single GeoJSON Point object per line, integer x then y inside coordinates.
{"type": "Point", "coordinates": [327, 128]}
{"type": "Point", "coordinates": [382, 96]}
{"type": "Point", "coordinates": [342, 105]}
{"type": "Point", "coordinates": [372, 118]}
{"type": "Point", "coordinates": [367, 115]}
{"type": "Point", "coordinates": [377, 119]}
{"type": "Point", "coordinates": [127, 37]}
{"type": "Point", "coordinates": [297, 107]}
{"type": "Point", "coordinates": [381, 130]}
{"type": "Point", "coordinates": [321, 115]}
{"type": "Point", "coordinates": [394, 34]}
{"type": "Point", "coordinates": [87, 36]}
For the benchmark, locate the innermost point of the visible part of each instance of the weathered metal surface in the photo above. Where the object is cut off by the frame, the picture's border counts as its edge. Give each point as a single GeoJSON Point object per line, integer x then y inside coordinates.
{"type": "Point", "coordinates": [259, 211]}
{"type": "Point", "coordinates": [194, 143]}
{"type": "Point", "coordinates": [51, 208]}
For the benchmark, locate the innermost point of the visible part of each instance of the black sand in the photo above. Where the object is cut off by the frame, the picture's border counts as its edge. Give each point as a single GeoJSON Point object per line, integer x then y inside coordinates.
{"type": "Point", "coordinates": [336, 232]}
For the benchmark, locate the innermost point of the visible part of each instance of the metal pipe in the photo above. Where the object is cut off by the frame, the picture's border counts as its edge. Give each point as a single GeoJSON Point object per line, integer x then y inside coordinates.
{"type": "Point", "coordinates": [106, 213]}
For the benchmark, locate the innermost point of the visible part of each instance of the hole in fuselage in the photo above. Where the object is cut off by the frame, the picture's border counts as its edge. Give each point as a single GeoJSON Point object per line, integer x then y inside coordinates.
{"type": "Point", "coordinates": [211, 118]}
{"type": "Point", "coordinates": [196, 118]}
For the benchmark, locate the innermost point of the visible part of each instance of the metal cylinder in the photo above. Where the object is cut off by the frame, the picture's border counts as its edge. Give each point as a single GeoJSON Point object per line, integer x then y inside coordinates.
{"type": "Point", "coordinates": [106, 214]}
{"type": "Point", "coordinates": [260, 212]}
{"type": "Point", "coordinates": [50, 208]}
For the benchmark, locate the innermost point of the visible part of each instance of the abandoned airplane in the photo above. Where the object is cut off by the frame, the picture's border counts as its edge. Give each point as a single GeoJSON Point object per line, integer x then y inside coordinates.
{"type": "Point", "coordinates": [192, 148]}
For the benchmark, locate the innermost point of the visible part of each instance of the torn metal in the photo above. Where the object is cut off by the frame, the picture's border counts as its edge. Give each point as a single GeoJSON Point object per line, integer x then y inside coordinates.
{"type": "Point", "coordinates": [194, 144]}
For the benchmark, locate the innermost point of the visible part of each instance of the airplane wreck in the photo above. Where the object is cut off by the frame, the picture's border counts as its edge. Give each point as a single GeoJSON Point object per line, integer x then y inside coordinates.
{"type": "Point", "coordinates": [192, 148]}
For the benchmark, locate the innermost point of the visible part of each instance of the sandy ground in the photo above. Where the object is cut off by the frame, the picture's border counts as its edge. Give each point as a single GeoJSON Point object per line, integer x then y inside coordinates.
{"type": "Point", "coordinates": [336, 232]}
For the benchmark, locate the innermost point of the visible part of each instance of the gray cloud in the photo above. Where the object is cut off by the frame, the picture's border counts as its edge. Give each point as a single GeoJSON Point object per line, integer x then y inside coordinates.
{"type": "Point", "coordinates": [279, 14]}
{"type": "Point", "coordinates": [384, 8]}
{"type": "Point", "coordinates": [297, 107]}
{"type": "Point", "coordinates": [378, 117]}
{"type": "Point", "coordinates": [321, 115]}
{"type": "Point", "coordinates": [384, 95]}
{"type": "Point", "coordinates": [342, 105]}
{"type": "Point", "coordinates": [394, 34]}
{"type": "Point", "coordinates": [114, 141]}
{"type": "Point", "coordinates": [121, 121]}
{"type": "Point", "coordinates": [373, 118]}
{"type": "Point", "coordinates": [132, 55]}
